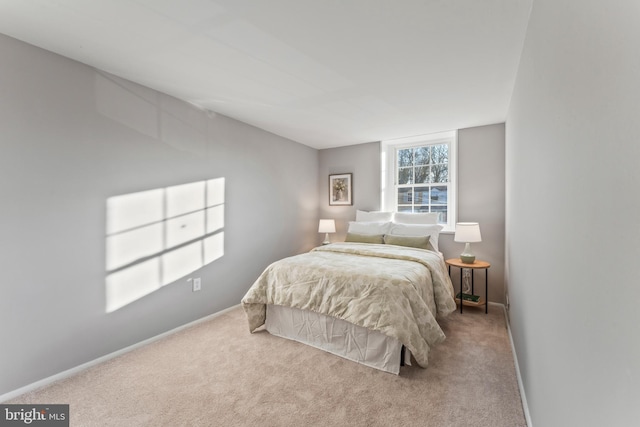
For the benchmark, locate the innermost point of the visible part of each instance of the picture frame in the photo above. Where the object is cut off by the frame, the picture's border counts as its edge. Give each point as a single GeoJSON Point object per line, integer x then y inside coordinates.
{"type": "Point", "coordinates": [341, 189]}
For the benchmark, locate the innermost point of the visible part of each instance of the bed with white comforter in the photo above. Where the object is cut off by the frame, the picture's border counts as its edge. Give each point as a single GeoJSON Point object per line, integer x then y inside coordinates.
{"type": "Point", "coordinates": [393, 291]}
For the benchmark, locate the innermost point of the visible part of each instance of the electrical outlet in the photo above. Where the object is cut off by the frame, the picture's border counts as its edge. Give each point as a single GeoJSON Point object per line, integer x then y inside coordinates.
{"type": "Point", "coordinates": [508, 306]}
{"type": "Point", "coordinates": [197, 284]}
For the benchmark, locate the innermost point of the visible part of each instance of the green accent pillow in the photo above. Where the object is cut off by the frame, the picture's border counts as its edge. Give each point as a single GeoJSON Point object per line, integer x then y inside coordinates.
{"type": "Point", "coordinates": [421, 242]}
{"type": "Point", "coordinates": [364, 238]}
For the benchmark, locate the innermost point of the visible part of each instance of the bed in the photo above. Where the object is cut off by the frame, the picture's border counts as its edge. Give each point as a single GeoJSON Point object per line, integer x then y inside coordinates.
{"type": "Point", "coordinates": [372, 299]}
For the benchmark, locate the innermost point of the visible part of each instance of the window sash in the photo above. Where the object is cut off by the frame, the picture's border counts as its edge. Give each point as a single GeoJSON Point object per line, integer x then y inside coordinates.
{"type": "Point", "coordinates": [391, 188]}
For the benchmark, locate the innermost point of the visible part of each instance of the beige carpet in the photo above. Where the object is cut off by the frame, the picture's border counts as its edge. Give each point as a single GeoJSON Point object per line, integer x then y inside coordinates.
{"type": "Point", "coordinates": [217, 374]}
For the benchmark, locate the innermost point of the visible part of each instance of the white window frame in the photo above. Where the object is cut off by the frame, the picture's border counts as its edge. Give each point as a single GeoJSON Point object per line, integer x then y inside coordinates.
{"type": "Point", "coordinates": [388, 172]}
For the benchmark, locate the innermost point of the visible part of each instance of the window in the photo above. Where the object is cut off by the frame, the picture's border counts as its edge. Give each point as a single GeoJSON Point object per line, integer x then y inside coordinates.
{"type": "Point", "coordinates": [418, 175]}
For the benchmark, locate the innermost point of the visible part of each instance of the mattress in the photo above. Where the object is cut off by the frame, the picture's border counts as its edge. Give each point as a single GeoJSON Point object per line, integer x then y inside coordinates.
{"type": "Point", "coordinates": [336, 336]}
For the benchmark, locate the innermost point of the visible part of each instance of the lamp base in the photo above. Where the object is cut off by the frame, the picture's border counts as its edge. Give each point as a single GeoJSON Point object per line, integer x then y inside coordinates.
{"type": "Point", "coordinates": [467, 259]}
{"type": "Point", "coordinates": [326, 239]}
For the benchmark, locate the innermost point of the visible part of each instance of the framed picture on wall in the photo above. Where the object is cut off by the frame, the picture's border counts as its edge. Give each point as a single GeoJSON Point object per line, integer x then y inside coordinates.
{"type": "Point", "coordinates": [340, 189]}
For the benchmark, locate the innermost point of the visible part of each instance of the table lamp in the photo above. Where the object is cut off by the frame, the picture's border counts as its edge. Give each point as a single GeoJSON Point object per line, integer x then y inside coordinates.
{"type": "Point", "coordinates": [467, 233]}
{"type": "Point", "coordinates": [327, 226]}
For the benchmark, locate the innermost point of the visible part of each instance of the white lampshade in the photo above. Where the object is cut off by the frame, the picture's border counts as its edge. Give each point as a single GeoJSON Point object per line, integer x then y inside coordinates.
{"type": "Point", "coordinates": [327, 226]}
{"type": "Point", "coordinates": [467, 232]}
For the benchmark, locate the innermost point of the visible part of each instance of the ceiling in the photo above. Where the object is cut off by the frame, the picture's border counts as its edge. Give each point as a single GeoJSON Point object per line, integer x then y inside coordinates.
{"type": "Point", "coordinates": [325, 73]}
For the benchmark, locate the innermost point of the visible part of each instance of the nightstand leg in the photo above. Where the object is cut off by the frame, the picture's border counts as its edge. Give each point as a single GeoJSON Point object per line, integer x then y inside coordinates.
{"type": "Point", "coordinates": [461, 296]}
{"type": "Point", "coordinates": [486, 290]}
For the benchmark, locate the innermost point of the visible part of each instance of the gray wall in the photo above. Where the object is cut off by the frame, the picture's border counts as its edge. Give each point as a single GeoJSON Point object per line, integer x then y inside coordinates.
{"type": "Point", "coordinates": [480, 195]}
{"type": "Point", "coordinates": [481, 199]}
{"type": "Point", "coordinates": [572, 203]}
{"type": "Point", "coordinates": [363, 161]}
{"type": "Point", "coordinates": [71, 138]}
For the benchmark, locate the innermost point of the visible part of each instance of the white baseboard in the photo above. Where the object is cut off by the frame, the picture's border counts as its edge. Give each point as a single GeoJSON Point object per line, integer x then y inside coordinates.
{"type": "Point", "coordinates": [523, 396]}
{"type": "Point", "coordinates": [70, 372]}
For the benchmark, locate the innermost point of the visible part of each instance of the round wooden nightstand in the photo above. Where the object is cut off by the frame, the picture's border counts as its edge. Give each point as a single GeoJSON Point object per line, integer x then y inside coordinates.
{"type": "Point", "coordinates": [477, 265]}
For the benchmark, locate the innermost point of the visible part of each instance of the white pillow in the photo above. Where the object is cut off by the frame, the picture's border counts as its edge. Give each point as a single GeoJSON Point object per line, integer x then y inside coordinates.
{"type": "Point", "coordinates": [431, 230]}
{"type": "Point", "coordinates": [369, 227]}
{"type": "Point", "coordinates": [416, 218]}
{"type": "Point", "coordinates": [378, 216]}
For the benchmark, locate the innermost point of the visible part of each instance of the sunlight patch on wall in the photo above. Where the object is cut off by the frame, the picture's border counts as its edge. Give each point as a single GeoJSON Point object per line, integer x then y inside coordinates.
{"type": "Point", "coordinates": [159, 236]}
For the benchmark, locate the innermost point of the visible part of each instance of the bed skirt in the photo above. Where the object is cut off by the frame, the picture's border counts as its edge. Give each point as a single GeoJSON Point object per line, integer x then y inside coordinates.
{"type": "Point", "coordinates": [336, 336]}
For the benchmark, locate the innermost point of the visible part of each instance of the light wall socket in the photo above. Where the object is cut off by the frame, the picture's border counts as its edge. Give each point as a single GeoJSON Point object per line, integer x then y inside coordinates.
{"type": "Point", "coordinates": [196, 284]}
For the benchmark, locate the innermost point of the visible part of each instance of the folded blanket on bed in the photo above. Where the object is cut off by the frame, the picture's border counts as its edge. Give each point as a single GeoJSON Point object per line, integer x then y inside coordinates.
{"type": "Point", "coordinates": [395, 290]}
